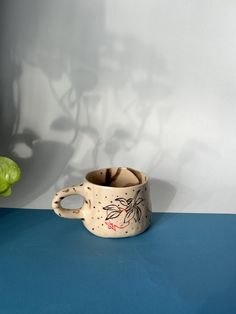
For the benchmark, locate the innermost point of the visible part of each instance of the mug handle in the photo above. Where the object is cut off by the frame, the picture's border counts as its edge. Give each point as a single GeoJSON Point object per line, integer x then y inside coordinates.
{"type": "Point", "coordinates": [65, 192]}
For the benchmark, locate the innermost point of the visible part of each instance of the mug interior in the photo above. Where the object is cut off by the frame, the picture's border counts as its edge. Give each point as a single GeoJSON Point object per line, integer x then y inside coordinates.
{"type": "Point", "coordinates": [119, 177]}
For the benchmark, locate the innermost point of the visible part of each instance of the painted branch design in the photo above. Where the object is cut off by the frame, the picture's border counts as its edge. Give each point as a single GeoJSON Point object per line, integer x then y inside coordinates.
{"type": "Point", "coordinates": [119, 216]}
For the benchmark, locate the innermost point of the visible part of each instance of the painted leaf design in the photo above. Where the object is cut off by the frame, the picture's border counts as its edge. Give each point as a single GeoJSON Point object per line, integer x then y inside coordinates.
{"type": "Point", "coordinates": [122, 201]}
{"type": "Point", "coordinates": [139, 200]}
{"type": "Point", "coordinates": [130, 215]}
{"type": "Point", "coordinates": [137, 193]}
{"type": "Point", "coordinates": [111, 207]}
{"type": "Point", "coordinates": [138, 213]}
{"type": "Point", "coordinates": [113, 214]}
{"type": "Point", "coordinates": [129, 201]}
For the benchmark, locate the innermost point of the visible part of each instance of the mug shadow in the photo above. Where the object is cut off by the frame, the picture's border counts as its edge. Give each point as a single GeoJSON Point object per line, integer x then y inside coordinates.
{"type": "Point", "coordinates": [162, 195]}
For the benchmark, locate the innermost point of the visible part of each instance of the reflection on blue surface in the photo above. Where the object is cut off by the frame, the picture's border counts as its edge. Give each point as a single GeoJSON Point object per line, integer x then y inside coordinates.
{"type": "Point", "coordinates": [185, 263]}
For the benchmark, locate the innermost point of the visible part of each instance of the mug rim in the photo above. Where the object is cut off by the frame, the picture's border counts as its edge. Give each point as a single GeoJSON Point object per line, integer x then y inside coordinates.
{"type": "Point", "coordinates": [117, 187]}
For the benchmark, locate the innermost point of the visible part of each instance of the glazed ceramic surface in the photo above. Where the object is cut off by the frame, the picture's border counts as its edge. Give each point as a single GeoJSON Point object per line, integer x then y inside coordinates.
{"type": "Point", "coordinates": [116, 202]}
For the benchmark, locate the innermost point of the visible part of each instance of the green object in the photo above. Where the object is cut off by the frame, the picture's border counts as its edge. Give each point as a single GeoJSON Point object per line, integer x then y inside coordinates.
{"type": "Point", "coordinates": [10, 173]}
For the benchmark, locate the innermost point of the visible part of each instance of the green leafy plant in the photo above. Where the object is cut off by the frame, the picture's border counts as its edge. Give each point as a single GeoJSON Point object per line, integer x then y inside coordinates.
{"type": "Point", "coordinates": [10, 173]}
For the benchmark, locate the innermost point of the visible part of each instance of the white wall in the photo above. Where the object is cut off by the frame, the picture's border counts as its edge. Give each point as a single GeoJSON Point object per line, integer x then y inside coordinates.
{"type": "Point", "coordinates": [145, 83]}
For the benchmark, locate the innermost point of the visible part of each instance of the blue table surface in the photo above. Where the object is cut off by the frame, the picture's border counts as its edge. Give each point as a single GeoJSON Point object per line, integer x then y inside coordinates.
{"type": "Point", "coordinates": [185, 263]}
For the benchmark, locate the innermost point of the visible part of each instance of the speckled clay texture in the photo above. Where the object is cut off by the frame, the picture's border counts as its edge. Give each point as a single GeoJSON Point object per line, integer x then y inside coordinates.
{"type": "Point", "coordinates": [116, 202]}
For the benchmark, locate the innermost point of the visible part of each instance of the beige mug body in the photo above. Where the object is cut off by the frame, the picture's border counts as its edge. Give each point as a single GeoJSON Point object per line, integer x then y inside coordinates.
{"type": "Point", "coordinates": [116, 202]}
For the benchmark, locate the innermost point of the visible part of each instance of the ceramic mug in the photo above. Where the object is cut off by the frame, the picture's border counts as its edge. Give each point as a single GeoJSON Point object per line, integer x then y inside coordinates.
{"type": "Point", "coordinates": [116, 202]}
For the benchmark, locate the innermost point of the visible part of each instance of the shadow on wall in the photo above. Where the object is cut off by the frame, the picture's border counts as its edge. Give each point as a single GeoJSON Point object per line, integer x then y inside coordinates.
{"type": "Point", "coordinates": [162, 195]}
{"type": "Point", "coordinates": [36, 34]}
{"type": "Point", "coordinates": [90, 123]}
